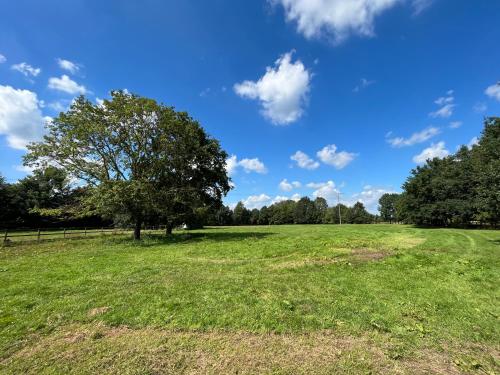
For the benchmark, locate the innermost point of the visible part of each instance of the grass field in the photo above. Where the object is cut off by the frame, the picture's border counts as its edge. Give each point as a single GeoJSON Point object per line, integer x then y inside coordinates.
{"type": "Point", "coordinates": [312, 299]}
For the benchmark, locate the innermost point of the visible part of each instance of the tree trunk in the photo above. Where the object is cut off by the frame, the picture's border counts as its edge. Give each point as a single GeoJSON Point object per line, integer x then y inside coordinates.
{"type": "Point", "coordinates": [137, 230]}
{"type": "Point", "coordinates": [169, 228]}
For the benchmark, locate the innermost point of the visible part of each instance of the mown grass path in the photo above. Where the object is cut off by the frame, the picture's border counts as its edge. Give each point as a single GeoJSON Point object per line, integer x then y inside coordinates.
{"type": "Point", "coordinates": [358, 298]}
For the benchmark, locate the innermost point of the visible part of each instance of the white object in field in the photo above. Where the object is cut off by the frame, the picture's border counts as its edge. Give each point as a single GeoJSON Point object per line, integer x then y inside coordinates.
{"type": "Point", "coordinates": [184, 226]}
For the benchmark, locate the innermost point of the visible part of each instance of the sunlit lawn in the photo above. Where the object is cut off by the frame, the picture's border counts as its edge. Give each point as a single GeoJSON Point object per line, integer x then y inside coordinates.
{"type": "Point", "coordinates": [270, 299]}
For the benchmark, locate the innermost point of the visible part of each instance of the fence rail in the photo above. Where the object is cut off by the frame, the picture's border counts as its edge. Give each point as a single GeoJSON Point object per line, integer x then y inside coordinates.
{"type": "Point", "coordinates": [11, 236]}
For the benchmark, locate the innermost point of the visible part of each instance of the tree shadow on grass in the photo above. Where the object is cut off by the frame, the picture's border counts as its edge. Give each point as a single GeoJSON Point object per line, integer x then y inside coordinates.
{"type": "Point", "coordinates": [154, 239]}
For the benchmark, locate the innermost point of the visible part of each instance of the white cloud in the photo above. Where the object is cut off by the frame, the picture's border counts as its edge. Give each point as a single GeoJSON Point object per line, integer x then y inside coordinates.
{"type": "Point", "coordinates": [248, 165]}
{"type": "Point", "coordinates": [436, 150]}
{"type": "Point", "coordinates": [364, 83]}
{"type": "Point", "coordinates": [446, 104]}
{"type": "Point", "coordinates": [2, 59]}
{"type": "Point", "coordinates": [415, 138]}
{"type": "Point", "coordinates": [279, 198]}
{"type": "Point", "coordinates": [335, 19]}
{"type": "Point", "coordinates": [325, 190]}
{"type": "Point", "coordinates": [455, 124]}
{"type": "Point", "coordinates": [66, 84]}
{"type": "Point", "coordinates": [444, 112]}
{"type": "Point", "coordinates": [369, 196]}
{"type": "Point", "coordinates": [68, 65]}
{"type": "Point", "coordinates": [421, 5]}
{"type": "Point", "coordinates": [257, 201]}
{"type": "Point", "coordinates": [26, 69]}
{"type": "Point", "coordinates": [473, 142]}
{"type": "Point", "coordinates": [493, 91]}
{"type": "Point", "coordinates": [21, 119]}
{"type": "Point", "coordinates": [231, 165]}
{"type": "Point", "coordinates": [253, 165]}
{"type": "Point", "coordinates": [24, 168]}
{"type": "Point", "coordinates": [304, 161]}
{"type": "Point", "coordinates": [261, 200]}
{"type": "Point", "coordinates": [330, 156]}
{"type": "Point", "coordinates": [289, 186]}
{"type": "Point", "coordinates": [282, 91]}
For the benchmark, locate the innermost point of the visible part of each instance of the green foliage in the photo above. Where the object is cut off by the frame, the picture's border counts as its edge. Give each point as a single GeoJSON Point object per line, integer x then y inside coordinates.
{"type": "Point", "coordinates": [142, 159]}
{"type": "Point", "coordinates": [457, 190]}
{"type": "Point", "coordinates": [241, 216]}
{"type": "Point", "coordinates": [387, 206]}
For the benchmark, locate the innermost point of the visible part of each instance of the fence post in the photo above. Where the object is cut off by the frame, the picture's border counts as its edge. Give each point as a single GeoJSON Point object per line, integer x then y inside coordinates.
{"type": "Point", "coordinates": [38, 235]}
{"type": "Point", "coordinates": [64, 234]}
{"type": "Point", "coordinates": [85, 231]}
{"type": "Point", "coordinates": [102, 231]}
{"type": "Point", "coordinates": [5, 236]}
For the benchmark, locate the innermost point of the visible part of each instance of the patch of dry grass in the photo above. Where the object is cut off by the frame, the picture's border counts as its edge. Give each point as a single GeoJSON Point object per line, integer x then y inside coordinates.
{"type": "Point", "coordinates": [96, 348]}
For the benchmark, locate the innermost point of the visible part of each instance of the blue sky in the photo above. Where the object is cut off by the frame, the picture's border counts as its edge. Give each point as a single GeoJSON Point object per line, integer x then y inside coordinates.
{"type": "Point", "coordinates": [308, 98]}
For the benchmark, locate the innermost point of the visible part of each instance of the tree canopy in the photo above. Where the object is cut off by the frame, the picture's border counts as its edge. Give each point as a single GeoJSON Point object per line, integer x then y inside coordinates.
{"type": "Point", "coordinates": [460, 189]}
{"type": "Point", "coordinates": [139, 157]}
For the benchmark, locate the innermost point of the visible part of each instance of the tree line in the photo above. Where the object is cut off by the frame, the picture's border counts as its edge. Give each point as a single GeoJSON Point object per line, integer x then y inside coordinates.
{"type": "Point", "coordinates": [462, 189]}
{"type": "Point", "coordinates": [303, 211]}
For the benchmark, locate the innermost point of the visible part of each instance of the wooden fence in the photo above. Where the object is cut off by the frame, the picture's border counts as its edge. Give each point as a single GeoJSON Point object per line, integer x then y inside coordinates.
{"type": "Point", "coordinates": [12, 236]}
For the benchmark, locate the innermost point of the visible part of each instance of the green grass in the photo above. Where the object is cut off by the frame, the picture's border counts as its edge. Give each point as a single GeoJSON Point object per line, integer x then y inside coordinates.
{"type": "Point", "coordinates": [277, 299]}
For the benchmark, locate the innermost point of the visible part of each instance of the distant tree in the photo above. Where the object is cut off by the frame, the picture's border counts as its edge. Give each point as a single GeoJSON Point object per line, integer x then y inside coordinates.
{"type": "Point", "coordinates": [282, 212]}
{"type": "Point", "coordinates": [357, 214]}
{"type": "Point", "coordinates": [305, 211]}
{"type": "Point", "coordinates": [224, 216]}
{"type": "Point", "coordinates": [254, 216]}
{"type": "Point", "coordinates": [141, 158]}
{"type": "Point", "coordinates": [241, 215]}
{"type": "Point", "coordinates": [6, 211]}
{"type": "Point", "coordinates": [321, 206]}
{"type": "Point", "coordinates": [387, 206]}
{"type": "Point", "coordinates": [264, 216]}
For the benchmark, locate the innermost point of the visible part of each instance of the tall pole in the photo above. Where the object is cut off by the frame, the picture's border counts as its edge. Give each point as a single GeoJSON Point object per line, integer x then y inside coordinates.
{"type": "Point", "coordinates": [338, 205]}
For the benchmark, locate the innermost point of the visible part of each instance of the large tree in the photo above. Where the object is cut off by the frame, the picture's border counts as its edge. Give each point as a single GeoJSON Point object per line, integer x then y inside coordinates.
{"type": "Point", "coordinates": [140, 158]}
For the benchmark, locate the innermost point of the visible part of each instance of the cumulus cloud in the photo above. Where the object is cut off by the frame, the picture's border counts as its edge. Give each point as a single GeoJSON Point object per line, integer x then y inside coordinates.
{"type": "Point", "coordinates": [261, 200]}
{"type": "Point", "coordinates": [26, 69]}
{"type": "Point", "coordinates": [446, 104]}
{"type": "Point", "coordinates": [289, 186]}
{"type": "Point", "coordinates": [252, 165]}
{"type": "Point", "coordinates": [415, 138]}
{"type": "Point", "coordinates": [2, 59]}
{"type": "Point", "coordinates": [330, 156]}
{"type": "Point", "coordinates": [67, 85]}
{"type": "Point", "coordinates": [304, 161]}
{"type": "Point", "coordinates": [248, 165]}
{"type": "Point", "coordinates": [21, 119]}
{"type": "Point", "coordinates": [338, 19]}
{"type": "Point", "coordinates": [325, 190]}
{"type": "Point", "coordinates": [436, 150]}
{"type": "Point", "coordinates": [257, 201]}
{"type": "Point", "coordinates": [369, 196]}
{"type": "Point", "coordinates": [493, 91]}
{"type": "Point", "coordinates": [282, 90]}
{"type": "Point", "coordinates": [68, 65]}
